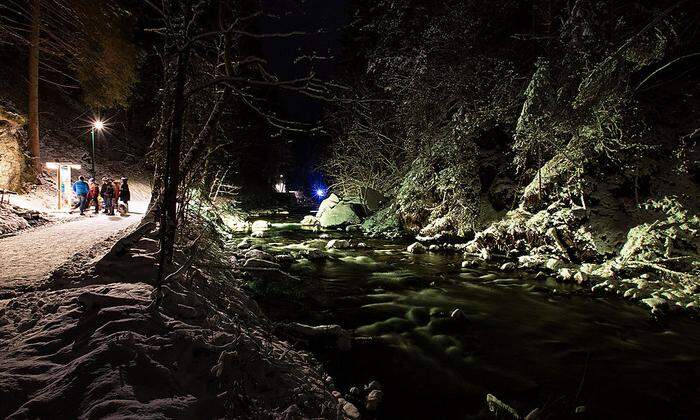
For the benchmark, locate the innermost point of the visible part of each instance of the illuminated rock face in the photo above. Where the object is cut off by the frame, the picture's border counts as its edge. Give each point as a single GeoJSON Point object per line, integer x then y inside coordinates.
{"type": "Point", "coordinates": [11, 157]}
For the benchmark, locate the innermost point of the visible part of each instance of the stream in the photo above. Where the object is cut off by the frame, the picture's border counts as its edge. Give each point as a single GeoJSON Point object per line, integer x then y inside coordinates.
{"type": "Point", "coordinates": [531, 343]}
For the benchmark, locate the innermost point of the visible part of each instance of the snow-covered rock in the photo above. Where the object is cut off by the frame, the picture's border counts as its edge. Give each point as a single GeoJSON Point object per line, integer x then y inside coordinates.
{"type": "Point", "coordinates": [416, 248]}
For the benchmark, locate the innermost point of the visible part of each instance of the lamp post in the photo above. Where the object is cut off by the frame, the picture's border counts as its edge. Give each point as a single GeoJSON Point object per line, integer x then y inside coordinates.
{"type": "Point", "coordinates": [96, 125]}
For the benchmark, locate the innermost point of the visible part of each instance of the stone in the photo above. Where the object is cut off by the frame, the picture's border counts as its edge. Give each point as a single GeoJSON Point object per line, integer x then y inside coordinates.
{"type": "Point", "coordinates": [655, 303]}
{"type": "Point", "coordinates": [340, 215]}
{"type": "Point", "coordinates": [284, 260]}
{"type": "Point", "coordinates": [531, 261]}
{"type": "Point", "coordinates": [509, 266]}
{"type": "Point", "coordinates": [416, 248]}
{"type": "Point", "coordinates": [327, 204]}
{"type": "Point", "coordinates": [471, 247]}
{"type": "Point", "coordinates": [540, 275]}
{"type": "Point", "coordinates": [485, 254]}
{"type": "Point", "coordinates": [372, 198]}
{"type": "Point", "coordinates": [244, 244]}
{"type": "Point", "coordinates": [565, 274]}
{"type": "Point", "coordinates": [353, 228]}
{"type": "Point", "coordinates": [312, 254]}
{"type": "Point", "coordinates": [470, 263]}
{"type": "Point", "coordinates": [261, 225]}
{"type": "Point", "coordinates": [256, 253]}
{"type": "Point", "coordinates": [580, 277]}
{"type": "Point", "coordinates": [361, 245]}
{"type": "Point", "coordinates": [258, 263]}
{"type": "Point", "coordinates": [555, 264]}
{"type": "Point", "coordinates": [258, 234]}
{"type": "Point", "coordinates": [350, 411]}
{"type": "Point", "coordinates": [373, 385]}
{"type": "Point", "coordinates": [374, 398]}
{"type": "Point", "coordinates": [338, 244]}
{"type": "Point", "coordinates": [324, 236]}
{"type": "Point", "coordinates": [310, 221]}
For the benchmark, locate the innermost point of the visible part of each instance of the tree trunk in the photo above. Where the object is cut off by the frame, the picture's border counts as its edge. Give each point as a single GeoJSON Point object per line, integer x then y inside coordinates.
{"type": "Point", "coordinates": [34, 87]}
{"type": "Point", "coordinates": [168, 219]}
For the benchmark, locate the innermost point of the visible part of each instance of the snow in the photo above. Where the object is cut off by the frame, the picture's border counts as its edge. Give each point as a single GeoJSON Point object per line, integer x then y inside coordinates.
{"type": "Point", "coordinates": [34, 253]}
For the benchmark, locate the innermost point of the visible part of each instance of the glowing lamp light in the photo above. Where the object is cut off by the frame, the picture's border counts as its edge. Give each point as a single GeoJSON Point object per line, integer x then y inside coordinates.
{"type": "Point", "coordinates": [98, 125]}
{"type": "Point", "coordinates": [320, 193]}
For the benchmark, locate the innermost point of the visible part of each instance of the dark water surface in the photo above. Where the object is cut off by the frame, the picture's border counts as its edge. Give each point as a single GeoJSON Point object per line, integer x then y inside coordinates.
{"type": "Point", "coordinates": [519, 339]}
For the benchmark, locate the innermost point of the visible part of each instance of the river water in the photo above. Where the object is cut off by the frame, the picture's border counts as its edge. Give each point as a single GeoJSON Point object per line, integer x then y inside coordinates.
{"type": "Point", "coordinates": [533, 344]}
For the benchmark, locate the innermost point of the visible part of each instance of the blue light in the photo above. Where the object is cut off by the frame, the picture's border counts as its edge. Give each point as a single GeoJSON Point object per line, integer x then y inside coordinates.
{"type": "Point", "coordinates": [320, 192]}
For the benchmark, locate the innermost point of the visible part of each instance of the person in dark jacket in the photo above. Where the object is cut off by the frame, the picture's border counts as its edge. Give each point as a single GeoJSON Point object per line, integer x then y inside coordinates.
{"type": "Point", "coordinates": [125, 194]}
{"type": "Point", "coordinates": [81, 190]}
{"type": "Point", "coordinates": [107, 190]}
{"type": "Point", "coordinates": [94, 195]}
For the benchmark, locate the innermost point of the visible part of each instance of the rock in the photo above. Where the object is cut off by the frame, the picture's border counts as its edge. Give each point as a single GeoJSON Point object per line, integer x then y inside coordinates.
{"type": "Point", "coordinates": [258, 234]}
{"type": "Point", "coordinates": [580, 277]}
{"type": "Point", "coordinates": [374, 398]}
{"type": "Point", "coordinates": [336, 394]}
{"type": "Point", "coordinates": [310, 221]}
{"type": "Point", "coordinates": [312, 254]}
{"type": "Point", "coordinates": [458, 315]}
{"type": "Point", "coordinates": [471, 247]}
{"type": "Point", "coordinates": [470, 263]}
{"type": "Point", "coordinates": [324, 236]}
{"type": "Point", "coordinates": [327, 204]}
{"type": "Point", "coordinates": [338, 244]}
{"type": "Point", "coordinates": [372, 386]}
{"type": "Point", "coordinates": [342, 214]}
{"type": "Point", "coordinates": [256, 253]}
{"type": "Point", "coordinates": [580, 409]}
{"type": "Point", "coordinates": [372, 198]}
{"type": "Point", "coordinates": [434, 248]}
{"type": "Point", "coordinates": [361, 245]}
{"type": "Point", "coordinates": [284, 260]}
{"type": "Point", "coordinates": [509, 266]}
{"type": "Point", "coordinates": [353, 228]}
{"type": "Point", "coordinates": [565, 274]}
{"type": "Point", "coordinates": [416, 248]}
{"type": "Point", "coordinates": [655, 303]}
{"type": "Point", "coordinates": [350, 411]}
{"type": "Point", "coordinates": [354, 391]}
{"type": "Point", "coordinates": [261, 225]}
{"type": "Point", "coordinates": [244, 244]}
{"type": "Point", "coordinates": [555, 264]}
{"type": "Point", "coordinates": [258, 263]}
{"type": "Point", "coordinates": [485, 254]}
{"type": "Point", "coordinates": [540, 275]}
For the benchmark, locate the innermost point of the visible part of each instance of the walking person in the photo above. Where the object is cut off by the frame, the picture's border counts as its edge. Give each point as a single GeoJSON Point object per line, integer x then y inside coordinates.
{"type": "Point", "coordinates": [81, 190]}
{"type": "Point", "coordinates": [94, 195]}
{"type": "Point", "coordinates": [115, 197]}
{"type": "Point", "coordinates": [107, 190]}
{"type": "Point", "coordinates": [125, 194]}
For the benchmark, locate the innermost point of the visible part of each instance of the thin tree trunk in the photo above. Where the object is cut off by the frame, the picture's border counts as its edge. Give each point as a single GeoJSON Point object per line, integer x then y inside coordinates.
{"type": "Point", "coordinates": [34, 87]}
{"type": "Point", "coordinates": [168, 220]}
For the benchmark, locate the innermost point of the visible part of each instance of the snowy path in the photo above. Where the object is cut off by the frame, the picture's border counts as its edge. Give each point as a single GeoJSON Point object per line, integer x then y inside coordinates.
{"type": "Point", "coordinates": [32, 254]}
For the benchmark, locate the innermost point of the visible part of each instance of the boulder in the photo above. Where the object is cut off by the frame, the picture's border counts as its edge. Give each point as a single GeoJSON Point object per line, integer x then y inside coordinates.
{"type": "Point", "coordinates": [12, 163]}
{"type": "Point", "coordinates": [310, 221]}
{"type": "Point", "coordinates": [565, 274]}
{"type": "Point", "coordinates": [244, 244]}
{"type": "Point", "coordinates": [261, 255]}
{"type": "Point", "coordinates": [258, 263]}
{"type": "Point", "coordinates": [416, 248]}
{"type": "Point", "coordinates": [372, 198]}
{"type": "Point", "coordinates": [350, 411]}
{"type": "Point", "coordinates": [341, 214]}
{"type": "Point", "coordinates": [555, 264]}
{"type": "Point", "coordinates": [338, 244]}
{"type": "Point", "coordinates": [327, 204]}
{"type": "Point", "coordinates": [509, 266]}
{"type": "Point", "coordinates": [261, 225]}
{"type": "Point", "coordinates": [374, 398]}
{"type": "Point", "coordinates": [258, 234]}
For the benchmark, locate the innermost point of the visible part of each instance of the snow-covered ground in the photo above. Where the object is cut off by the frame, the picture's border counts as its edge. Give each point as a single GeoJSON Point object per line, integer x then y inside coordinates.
{"type": "Point", "coordinates": [34, 253]}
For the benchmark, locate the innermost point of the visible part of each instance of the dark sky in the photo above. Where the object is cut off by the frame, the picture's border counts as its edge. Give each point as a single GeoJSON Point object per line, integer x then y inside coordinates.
{"type": "Point", "coordinates": [323, 20]}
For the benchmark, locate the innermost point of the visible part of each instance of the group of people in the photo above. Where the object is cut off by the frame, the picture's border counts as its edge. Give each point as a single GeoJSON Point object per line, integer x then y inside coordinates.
{"type": "Point", "coordinates": [114, 194]}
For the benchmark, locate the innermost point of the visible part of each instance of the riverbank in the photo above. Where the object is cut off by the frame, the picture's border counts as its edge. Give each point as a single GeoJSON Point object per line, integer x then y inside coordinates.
{"type": "Point", "coordinates": [440, 338]}
{"type": "Point", "coordinates": [96, 347]}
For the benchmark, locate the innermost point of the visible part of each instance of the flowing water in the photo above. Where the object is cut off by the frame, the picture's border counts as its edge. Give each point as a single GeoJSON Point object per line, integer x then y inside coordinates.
{"type": "Point", "coordinates": [530, 343]}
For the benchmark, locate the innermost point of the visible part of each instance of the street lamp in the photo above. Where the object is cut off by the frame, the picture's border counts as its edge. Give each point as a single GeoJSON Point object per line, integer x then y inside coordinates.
{"type": "Point", "coordinates": [96, 125]}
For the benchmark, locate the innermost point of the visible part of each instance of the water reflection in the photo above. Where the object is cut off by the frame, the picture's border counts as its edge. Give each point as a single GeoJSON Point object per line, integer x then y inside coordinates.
{"type": "Point", "coordinates": [510, 336]}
